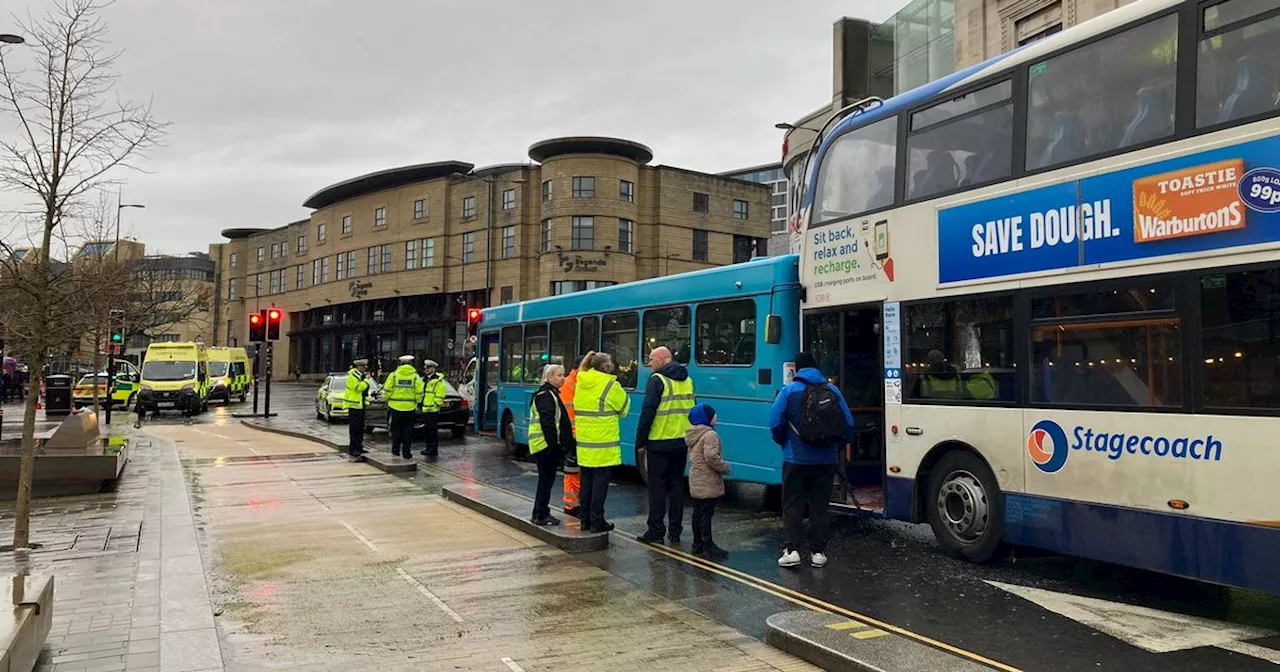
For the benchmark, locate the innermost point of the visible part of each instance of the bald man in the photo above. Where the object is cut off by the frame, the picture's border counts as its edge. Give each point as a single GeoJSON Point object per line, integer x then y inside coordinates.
{"type": "Point", "coordinates": [664, 419]}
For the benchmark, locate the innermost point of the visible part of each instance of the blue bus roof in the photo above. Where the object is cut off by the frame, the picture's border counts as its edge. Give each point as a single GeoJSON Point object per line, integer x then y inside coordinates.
{"type": "Point", "coordinates": [891, 107]}
{"type": "Point", "coordinates": [757, 276]}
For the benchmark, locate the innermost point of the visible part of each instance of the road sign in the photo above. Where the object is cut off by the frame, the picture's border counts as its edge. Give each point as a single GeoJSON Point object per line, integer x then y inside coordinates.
{"type": "Point", "coordinates": [473, 339]}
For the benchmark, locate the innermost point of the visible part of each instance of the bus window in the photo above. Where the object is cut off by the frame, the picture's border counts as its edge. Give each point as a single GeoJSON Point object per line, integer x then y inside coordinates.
{"type": "Point", "coordinates": [535, 351]}
{"type": "Point", "coordinates": [620, 336]}
{"type": "Point", "coordinates": [1236, 76]}
{"type": "Point", "coordinates": [669, 327]}
{"type": "Point", "coordinates": [960, 350]}
{"type": "Point", "coordinates": [1121, 358]}
{"type": "Point", "coordinates": [1240, 313]}
{"type": "Point", "coordinates": [564, 343]}
{"type": "Point", "coordinates": [590, 335]}
{"type": "Point", "coordinates": [512, 355]}
{"type": "Point", "coordinates": [857, 172]}
{"type": "Point", "coordinates": [963, 142]}
{"type": "Point", "coordinates": [1137, 68]}
{"type": "Point", "coordinates": [727, 333]}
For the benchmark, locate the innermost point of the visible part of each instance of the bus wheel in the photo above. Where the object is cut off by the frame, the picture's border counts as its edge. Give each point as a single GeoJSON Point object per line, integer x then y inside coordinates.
{"type": "Point", "coordinates": [966, 508]}
{"type": "Point", "coordinates": [509, 434]}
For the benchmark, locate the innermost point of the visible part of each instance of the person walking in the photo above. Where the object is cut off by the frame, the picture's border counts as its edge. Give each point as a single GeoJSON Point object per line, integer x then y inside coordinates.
{"type": "Point", "coordinates": [550, 436]}
{"type": "Point", "coordinates": [664, 419]}
{"type": "Point", "coordinates": [355, 395]}
{"type": "Point", "coordinates": [404, 391]}
{"type": "Point", "coordinates": [432, 400]}
{"type": "Point", "coordinates": [811, 421]}
{"type": "Point", "coordinates": [572, 479]}
{"type": "Point", "coordinates": [600, 403]}
{"type": "Point", "coordinates": [707, 470]}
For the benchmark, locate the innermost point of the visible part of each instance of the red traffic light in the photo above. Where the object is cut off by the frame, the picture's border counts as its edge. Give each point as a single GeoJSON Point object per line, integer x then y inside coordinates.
{"type": "Point", "coordinates": [473, 315]}
{"type": "Point", "coordinates": [255, 318]}
{"type": "Point", "coordinates": [273, 315]}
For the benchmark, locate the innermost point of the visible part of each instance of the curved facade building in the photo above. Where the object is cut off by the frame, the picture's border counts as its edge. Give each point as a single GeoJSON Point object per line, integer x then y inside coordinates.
{"type": "Point", "coordinates": [388, 262]}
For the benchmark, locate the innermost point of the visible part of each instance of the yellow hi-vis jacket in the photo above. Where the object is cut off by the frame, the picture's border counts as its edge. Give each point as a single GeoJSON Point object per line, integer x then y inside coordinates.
{"type": "Point", "coordinates": [357, 387]}
{"type": "Point", "coordinates": [404, 388]}
{"type": "Point", "coordinates": [537, 440]}
{"type": "Point", "coordinates": [433, 393]}
{"type": "Point", "coordinates": [672, 419]}
{"type": "Point", "coordinates": [599, 403]}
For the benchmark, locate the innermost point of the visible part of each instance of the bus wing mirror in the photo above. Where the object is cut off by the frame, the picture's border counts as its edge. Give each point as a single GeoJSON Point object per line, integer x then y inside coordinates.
{"type": "Point", "coordinates": [773, 329]}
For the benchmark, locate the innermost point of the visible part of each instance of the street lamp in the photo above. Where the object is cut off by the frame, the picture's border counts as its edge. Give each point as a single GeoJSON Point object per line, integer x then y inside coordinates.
{"type": "Point", "coordinates": [489, 181]}
{"type": "Point", "coordinates": [119, 207]}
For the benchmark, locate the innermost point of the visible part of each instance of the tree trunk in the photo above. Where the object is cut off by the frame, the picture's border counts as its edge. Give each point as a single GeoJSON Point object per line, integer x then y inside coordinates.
{"type": "Point", "coordinates": [27, 464]}
{"type": "Point", "coordinates": [97, 338]}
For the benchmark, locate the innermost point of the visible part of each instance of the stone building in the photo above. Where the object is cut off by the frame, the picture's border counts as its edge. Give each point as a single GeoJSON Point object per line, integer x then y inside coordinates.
{"type": "Point", "coordinates": [389, 262]}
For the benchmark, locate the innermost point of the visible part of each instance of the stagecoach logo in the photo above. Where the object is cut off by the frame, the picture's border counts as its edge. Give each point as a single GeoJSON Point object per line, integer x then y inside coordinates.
{"type": "Point", "coordinates": [1048, 446]}
{"type": "Point", "coordinates": [579, 264]}
{"type": "Point", "coordinates": [359, 289]}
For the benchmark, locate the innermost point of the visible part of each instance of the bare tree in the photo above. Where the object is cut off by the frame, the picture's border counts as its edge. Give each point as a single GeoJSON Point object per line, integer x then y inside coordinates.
{"type": "Point", "coordinates": [73, 136]}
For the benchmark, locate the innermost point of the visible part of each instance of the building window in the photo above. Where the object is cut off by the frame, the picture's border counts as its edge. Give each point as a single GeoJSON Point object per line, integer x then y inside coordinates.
{"type": "Point", "coordinates": [469, 207]}
{"type": "Point", "coordinates": [257, 284]}
{"type": "Point", "coordinates": [373, 262]}
{"type": "Point", "coordinates": [320, 232]}
{"type": "Point", "coordinates": [420, 208]}
{"type": "Point", "coordinates": [428, 253]}
{"type": "Point", "coordinates": [231, 289]}
{"type": "Point", "coordinates": [546, 236]}
{"type": "Point", "coordinates": [262, 254]}
{"type": "Point", "coordinates": [468, 247]}
{"type": "Point", "coordinates": [626, 191]}
{"type": "Point", "coordinates": [744, 248]}
{"type": "Point", "coordinates": [507, 295]}
{"type": "Point", "coordinates": [508, 242]}
{"type": "Point", "coordinates": [570, 286]}
{"type": "Point", "coordinates": [701, 203]}
{"type": "Point", "coordinates": [346, 265]}
{"type": "Point", "coordinates": [699, 245]}
{"type": "Point", "coordinates": [546, 191]}
{"type": "Point", "coordinates": [315, 272]}
{"type": "Point", "coordinates": [584, 233]}
{"type": "Point", "coordinates": [509, 199]}
{"type": "Point", "coordinates": [386, 258]}
{"type": "Point", "coordinates": [346, 224]}
{"type": "Point", "coordinates": [410, 255]}
{"type": "Point", "coordinates": [302, 244]}
{"type": "Point", "coordinates": [234, 259]}
{"type": "Point", "coordinates": [380, 217]}
{"type": "Point", "coordinates": [324, 269]}
{"type": "Point", "coordinates": [584, 187]}
{"type": "Point", "coordinates": [626, 235]}
{"type": "Point", "coordinates": [298, 277]}
{"type": "Point", "coordinates": [739, 209]}
{"type": "Point", "coordinates": [273, 282]}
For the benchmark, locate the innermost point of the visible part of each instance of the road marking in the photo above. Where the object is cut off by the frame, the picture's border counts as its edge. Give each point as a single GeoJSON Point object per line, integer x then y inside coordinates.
{"type": "Point", "coordinates": [1148, 629]}
{"type": "Point", "coordinates": [767, 587]}
{"type": "Point", "coordinates": [511, 664]}
{"type": "Point", "coordinates": [430, 596]}
{"type": "Point", "coordinates": [869, 634]}
{"type": "Point", "coordinates": [847, 625]}
{"type": "Point", "coordinates": [357, 535]}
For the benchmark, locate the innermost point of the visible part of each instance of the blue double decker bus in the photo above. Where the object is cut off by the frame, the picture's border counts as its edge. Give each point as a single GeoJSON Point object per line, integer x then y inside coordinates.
{"type": "Point", "coordinates": [735, 327]}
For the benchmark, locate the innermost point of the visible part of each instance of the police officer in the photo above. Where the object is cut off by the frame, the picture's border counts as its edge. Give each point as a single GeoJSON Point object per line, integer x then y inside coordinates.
{"type": "Point", "coordinates": [355, 395]}
{"type": "Point", "coordinates": [432, 399]}
{"type": "Point", "coordinates": [664, 419]}
{"type": "Point", "coordinates": [404, 389]}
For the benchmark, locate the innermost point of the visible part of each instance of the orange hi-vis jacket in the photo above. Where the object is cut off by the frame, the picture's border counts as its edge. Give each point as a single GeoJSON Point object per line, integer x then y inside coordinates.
{"type": "Point", "coordinates": [567, 391]}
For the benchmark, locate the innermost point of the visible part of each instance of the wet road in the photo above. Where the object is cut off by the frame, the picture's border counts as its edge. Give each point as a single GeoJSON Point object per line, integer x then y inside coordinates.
{"type": "Point", "coordinates": [894, 572]}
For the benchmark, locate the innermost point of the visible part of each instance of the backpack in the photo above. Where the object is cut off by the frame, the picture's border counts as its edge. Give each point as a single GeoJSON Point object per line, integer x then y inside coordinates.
{"type": "Point", "coordinates": [822, 420]}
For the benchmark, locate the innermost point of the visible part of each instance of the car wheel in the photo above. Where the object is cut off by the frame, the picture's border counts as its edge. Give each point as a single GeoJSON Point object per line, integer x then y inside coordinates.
{"type": "Point", "coordinates": [966, 508]}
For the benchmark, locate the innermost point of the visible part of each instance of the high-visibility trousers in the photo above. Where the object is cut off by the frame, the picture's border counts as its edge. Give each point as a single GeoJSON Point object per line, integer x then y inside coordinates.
{"type": "Point", "coordinates": [572, 484]}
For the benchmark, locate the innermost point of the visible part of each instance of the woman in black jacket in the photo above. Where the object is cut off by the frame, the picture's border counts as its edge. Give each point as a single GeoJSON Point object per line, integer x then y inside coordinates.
{"type": "Point", "coordinates": [550, 436]}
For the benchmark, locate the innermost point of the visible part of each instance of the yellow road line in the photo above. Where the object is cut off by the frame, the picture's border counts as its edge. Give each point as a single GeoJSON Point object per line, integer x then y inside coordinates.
{"type": "Point", "coordinates": [847, 625]}
{"type": "Point", "coordinates": [781, 592]}
{"type": "Point", "coordinates": [869, 634]}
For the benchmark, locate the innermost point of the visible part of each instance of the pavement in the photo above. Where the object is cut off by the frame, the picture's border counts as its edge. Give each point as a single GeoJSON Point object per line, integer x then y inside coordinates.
{"type": "Point", "coordinates": [1035, 611]}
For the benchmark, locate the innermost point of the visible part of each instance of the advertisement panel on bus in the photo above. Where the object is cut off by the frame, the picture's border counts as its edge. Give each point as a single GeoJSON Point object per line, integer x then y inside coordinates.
{"type": "Point", "coordinates": [1216, 200]}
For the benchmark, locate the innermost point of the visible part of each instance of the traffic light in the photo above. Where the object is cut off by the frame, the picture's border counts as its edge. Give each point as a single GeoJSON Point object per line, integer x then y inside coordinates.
{"type": "Point", "coordinates": [258, 326]}
{"type": "Point", "coordinates": [473, 320]}
{"type": "Point", "coordinates": [117, 336]}
{"type": "Point", "coordinates": [273, 324]}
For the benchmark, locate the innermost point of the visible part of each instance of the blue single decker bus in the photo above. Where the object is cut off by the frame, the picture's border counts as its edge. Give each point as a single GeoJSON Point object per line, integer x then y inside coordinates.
{"type": "Point", "coordinates": [735, 327]}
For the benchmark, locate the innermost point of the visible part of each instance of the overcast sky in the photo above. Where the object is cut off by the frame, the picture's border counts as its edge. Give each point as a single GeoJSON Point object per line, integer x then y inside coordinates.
{"type": "Point", "coordinates": [270, 100]}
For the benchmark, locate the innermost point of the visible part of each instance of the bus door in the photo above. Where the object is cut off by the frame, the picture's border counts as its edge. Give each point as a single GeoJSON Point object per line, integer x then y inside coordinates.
{"type": "Point", "coordinates": [486, 383]}
{"type": "Point", "coordinates": [849, 345]}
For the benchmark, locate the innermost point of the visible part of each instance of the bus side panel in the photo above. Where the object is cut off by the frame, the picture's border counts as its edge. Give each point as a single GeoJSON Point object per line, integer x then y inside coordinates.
{"type": "Point", "coordinates": [1235, 554]}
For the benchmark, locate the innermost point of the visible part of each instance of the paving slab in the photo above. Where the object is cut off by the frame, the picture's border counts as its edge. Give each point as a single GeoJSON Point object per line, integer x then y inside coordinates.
{"type": "Point", "coordinates": [515, 511]}
{"type": "Point", "coordinates": [834, 642]}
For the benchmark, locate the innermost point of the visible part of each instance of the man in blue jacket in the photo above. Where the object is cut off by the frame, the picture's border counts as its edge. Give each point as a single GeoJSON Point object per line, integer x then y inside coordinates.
{"type": "Point", "coordinates": [664, 419]}
{"type": "Point", "coordinates": [807, 470]}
